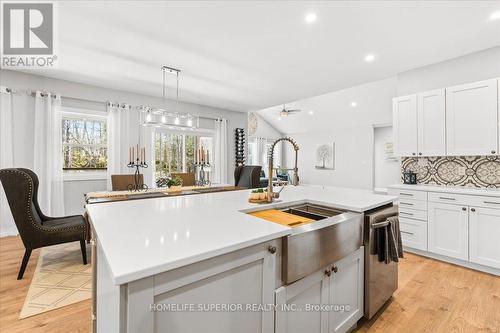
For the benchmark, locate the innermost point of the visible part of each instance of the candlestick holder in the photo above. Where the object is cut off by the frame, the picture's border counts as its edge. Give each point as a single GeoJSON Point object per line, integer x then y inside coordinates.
{"type": "Point", "coordinates": [136, 187]}
{"type": "Point", "coordinates": [202, 180]}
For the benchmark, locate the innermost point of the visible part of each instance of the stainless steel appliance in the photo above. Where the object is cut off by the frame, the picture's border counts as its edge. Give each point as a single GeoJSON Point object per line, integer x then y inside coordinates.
{"type": "Point", "coordinates": [381, 279]}
{"type": "Point", "coordinates": [334, 234]}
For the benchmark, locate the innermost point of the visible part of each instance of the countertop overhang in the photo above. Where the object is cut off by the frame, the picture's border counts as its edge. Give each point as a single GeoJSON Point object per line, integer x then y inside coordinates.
{"type": "Point", "coordinates": [141, 238]}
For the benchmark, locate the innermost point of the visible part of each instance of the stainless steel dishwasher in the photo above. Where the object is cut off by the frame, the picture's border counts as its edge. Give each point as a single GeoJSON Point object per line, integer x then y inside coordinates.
{"type": "Point", "coordinates": [381, 279]}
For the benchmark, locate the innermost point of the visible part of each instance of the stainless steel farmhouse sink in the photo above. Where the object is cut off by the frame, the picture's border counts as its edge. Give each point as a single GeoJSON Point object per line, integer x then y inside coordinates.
{"type": "Point", "coordinates": [328, 235]}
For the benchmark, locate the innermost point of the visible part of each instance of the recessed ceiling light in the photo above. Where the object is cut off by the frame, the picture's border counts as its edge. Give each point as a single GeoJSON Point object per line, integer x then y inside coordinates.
{"type": "Point", "coordinates": [369, 57]}
{"type": "Point", "coordinates": [495, 15]}
{"type": "Point", "coordinates": [354, 104]}
{"type": "Point", "coordinates": [310, 18]}
{"type": "Point", "coordinates": [311, 112]}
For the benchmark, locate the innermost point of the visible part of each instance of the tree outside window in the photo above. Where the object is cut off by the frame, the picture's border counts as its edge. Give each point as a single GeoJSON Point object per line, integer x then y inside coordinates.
{"type": "Point", "coordinates": [84, 143]}
{"type": "Point", "coordinates": [176, 152]}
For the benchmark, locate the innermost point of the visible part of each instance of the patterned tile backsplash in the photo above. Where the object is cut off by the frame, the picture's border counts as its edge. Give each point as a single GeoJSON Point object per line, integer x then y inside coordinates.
{"type": "Point", "coordinates": [471, 171]}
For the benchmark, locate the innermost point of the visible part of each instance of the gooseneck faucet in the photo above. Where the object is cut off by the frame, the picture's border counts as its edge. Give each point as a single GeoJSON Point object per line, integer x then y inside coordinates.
{"type": "Point", "coordinates": [270, 160]}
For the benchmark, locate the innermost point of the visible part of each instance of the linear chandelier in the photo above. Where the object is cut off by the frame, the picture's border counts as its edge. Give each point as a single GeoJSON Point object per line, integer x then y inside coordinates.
{"type": "Point", "coordinates": [161, 117]}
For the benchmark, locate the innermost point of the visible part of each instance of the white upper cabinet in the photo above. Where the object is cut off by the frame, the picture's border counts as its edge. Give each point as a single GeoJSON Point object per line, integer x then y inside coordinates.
{"type": "Point", "coordinates": [431, 123]}
{"type": "Point", "coordinates": [472, 119]}
{"type": "Point", "coordinates": [405, 125]}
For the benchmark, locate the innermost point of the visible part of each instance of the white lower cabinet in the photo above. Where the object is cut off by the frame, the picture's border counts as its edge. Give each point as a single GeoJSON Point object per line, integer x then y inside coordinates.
{"type": "Point", "coordinates": [330, 300]}
{"type": "Point", "coordinates": [413, 233]}
{"type": "Point", "coordinates": [292, 316]}
{"type": "Point", "coordinates": [484, 230]}
{"type": "Point", "coordinates": [346, 292]}
{"type": "Point", "coordinates": [461, 228]}
{"type": "Point", "coordinates": [448, 228]}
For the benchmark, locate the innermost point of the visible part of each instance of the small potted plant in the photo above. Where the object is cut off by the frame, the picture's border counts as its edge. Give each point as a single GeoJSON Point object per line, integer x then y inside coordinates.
{"type": "Point", "coordinates": [175, 184]}
{"type": "Point", "coordinates": [254, 195]}
{"type": "Point", "coordinates": [262, 194]}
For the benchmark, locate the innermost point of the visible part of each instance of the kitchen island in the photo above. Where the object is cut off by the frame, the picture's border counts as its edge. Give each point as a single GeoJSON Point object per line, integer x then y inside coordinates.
{"type": "Point", "coordinates": [182, 264]}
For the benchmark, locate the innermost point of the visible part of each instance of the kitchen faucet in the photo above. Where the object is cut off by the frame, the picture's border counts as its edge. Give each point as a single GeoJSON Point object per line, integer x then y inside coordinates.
{"type": "Point", "coordinates": [270, 160]}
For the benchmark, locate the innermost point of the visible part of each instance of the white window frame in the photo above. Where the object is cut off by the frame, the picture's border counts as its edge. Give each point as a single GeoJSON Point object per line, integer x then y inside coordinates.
{"type": "Point", "coordinates": [79, 113]}
{"type": "Point", "coordinates": [198, 132]}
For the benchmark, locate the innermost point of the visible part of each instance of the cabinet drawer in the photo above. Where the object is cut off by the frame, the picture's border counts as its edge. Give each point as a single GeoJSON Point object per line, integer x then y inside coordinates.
{"type": "Point", "coordinates": [412, 213]}
{"type": "Point", "coordinates": [412, 204]}
{"type": "Point", "coordinates": [413, 233]}
{"type": "Point", "coordinates": [450, 198]}
{"type": "Point", "coordinates": [487, 202]}
{"type": "Point", "coordinates": [409, 194]}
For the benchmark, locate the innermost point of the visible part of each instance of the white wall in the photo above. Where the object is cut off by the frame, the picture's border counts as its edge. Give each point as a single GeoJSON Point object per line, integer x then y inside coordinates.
{"type": "Point", "coordinates": [469, 68]}
{"type": "Point", "coordinates": [265, 130]}
{"type": "Point", "coordinates": [386, 171]}
{"type": "Point", "coordinates": [24, 126]}
{"type": "Point", "coordinates": [351, 129]}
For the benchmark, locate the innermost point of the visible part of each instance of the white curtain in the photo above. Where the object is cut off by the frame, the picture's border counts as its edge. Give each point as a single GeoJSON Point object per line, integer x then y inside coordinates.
{"type": "Point", "coordinates": [114, 139]}
{"type": "Point", "coordinates": [220, 172]}
{"type": "Point", "coordinates": [261, 151]}
{"type": "Point", "coordinates": [7, 226]}
{"type": "Point", "coordinates": [48, 163]}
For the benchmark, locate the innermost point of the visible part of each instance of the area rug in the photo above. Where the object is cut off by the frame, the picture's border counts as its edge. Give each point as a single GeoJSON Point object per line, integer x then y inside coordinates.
{"type": "Point", "coordinates": [60, 279]}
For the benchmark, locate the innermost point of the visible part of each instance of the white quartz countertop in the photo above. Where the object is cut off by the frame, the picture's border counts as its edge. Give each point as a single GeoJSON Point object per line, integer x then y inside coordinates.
{"type": "Point", "coordinates": [141, 238]}
{"type": "Point", "coordinates": [492, 192]}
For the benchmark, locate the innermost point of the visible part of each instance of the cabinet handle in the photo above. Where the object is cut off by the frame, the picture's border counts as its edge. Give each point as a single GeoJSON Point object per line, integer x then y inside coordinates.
{"type": "Point", "coordinates": [463, 208]}
{"type": "Point", "coordinates": [473, 209]}
{"type": "Point", "coordinates": [328, 273]}
{"type": "Point", "coordinates": [413, 154]}
{"type": "Point", "coordinates": [405, 213]}
{"type": "Point", "coordinates": [493, 152]}
{"type": "Point", "coordinates": [272, 249]}
{"type": "Point", "coordinates": [491, 202]}
{"type": "Point", "coordinates": [420, 153]}
{"type": "Point", "coordinates": [406, 203]}
{"type": "Point", "coordinates": [408, 194]}
{"type": "Point", "coordinates": [446, 198]}
{"type": "Point", "coordinates": [406, 232]}
{"type": "Point", "coordinates": [335, 269]}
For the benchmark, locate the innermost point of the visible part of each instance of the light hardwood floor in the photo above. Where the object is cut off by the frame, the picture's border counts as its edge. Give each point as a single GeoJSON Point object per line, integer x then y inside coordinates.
{"type": "Point", "coordinates": [73, 318]}
{"type": "Point", "coordinates": [432, 297]}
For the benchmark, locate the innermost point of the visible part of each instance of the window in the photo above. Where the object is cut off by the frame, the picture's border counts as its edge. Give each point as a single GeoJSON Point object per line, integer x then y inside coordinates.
{"type": "Point", "coordinates": [258, 149]}
{"type": "Point", "coordinates": [175, 152]}
{"type": "Point", "coordinates": [84, 145]}
{"type": "Point", "coordinates": [276, 156]}
{"type": "Point", "coordinates": [253, 153]}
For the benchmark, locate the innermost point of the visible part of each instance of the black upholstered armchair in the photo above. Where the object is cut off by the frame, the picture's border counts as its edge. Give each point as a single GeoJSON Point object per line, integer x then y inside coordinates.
{"type": "Point", "coordinates": [36, 229]}
{"type": "Point", "coordinates": [247, 176]}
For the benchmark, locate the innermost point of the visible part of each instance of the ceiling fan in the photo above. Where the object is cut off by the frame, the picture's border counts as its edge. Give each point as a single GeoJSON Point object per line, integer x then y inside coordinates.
{"type": "Point", "coordinates": [285, 112]}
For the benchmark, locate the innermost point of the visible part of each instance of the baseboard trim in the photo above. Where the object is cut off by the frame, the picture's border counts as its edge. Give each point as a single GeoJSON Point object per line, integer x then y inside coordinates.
{"type": "Point", "coordinates": [466, 264]}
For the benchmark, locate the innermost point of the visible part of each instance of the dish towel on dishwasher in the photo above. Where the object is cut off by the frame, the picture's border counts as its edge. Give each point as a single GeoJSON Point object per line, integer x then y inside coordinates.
{"type": "Point", "coordinates": [389, 246]}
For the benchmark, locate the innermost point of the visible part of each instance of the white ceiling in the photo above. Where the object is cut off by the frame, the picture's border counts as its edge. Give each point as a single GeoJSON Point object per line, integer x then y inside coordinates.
{"type": "Point", "coordinates": [250, 55]}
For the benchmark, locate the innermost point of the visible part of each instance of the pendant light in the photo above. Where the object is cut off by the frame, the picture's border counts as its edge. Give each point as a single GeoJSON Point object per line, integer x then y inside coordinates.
{"type": "Point", "coordinates": [161, 117]}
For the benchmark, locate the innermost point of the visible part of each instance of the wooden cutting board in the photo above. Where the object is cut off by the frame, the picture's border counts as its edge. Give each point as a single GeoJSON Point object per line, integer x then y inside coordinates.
{"type": "Point", "coordinates": [277, 216]}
